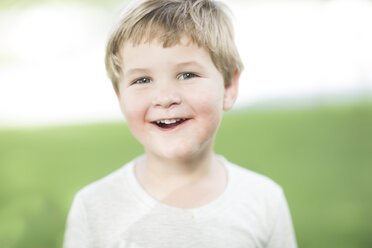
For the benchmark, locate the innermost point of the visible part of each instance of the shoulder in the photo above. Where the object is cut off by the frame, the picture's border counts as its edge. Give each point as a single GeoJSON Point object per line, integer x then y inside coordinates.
{"type": "Point", "coordinates": [107, 187]}
{"type": "Point", "coordinates": [255, 192]}
{"type": "Point", "coordinates": [250, 180]}
{"type": "Point", "coordinates": [253, 188]}
{"type": "Point", "coordinates": [259, 204]}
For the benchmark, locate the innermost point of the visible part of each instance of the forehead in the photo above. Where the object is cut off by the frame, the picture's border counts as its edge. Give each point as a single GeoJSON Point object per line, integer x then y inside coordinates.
{"type": "Point", "coordinates": [150, 53]}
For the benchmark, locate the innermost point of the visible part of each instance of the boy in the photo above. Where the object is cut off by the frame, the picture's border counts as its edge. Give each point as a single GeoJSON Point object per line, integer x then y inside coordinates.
{"type": "Point", "coordinates": [175, 68]}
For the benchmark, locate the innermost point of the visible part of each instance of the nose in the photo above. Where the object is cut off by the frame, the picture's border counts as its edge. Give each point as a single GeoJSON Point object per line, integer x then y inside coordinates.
{"type": "Point", "coordinates": [166, 96]}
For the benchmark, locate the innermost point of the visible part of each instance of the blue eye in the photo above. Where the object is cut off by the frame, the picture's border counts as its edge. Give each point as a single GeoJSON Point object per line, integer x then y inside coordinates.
{"type": "Point", "coordinates": [142, 81]}
{"type": "Point", "coordinates": [187, 75]}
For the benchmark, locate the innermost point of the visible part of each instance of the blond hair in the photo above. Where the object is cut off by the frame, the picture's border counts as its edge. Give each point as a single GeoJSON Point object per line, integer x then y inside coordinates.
{"type": "Point", "coordinates": [205, 22]}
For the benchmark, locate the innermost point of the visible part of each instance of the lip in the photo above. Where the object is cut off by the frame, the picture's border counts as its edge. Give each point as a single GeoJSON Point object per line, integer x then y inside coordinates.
{"type": "Point", "coordinates": [185, 120]}
{"type": "Point", "coordinates": [169, 118]}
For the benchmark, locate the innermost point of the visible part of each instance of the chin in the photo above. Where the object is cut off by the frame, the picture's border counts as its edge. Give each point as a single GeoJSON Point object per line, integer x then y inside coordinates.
{"type": "Point", "coordinates": [184, 153]}
{"type": "Point", "coordinates": [179, 155]}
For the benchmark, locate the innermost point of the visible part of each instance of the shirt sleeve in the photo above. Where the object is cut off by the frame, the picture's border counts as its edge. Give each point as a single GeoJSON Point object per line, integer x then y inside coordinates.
{"type": "Point", "coordinates": [76, 233]}
{"type": "Point", "coordinates": [282, 234]}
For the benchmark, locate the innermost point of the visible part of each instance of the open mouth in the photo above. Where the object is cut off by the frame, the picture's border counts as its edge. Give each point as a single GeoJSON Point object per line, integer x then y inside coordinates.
{"type": "Point", "coordinates": [169, 123]}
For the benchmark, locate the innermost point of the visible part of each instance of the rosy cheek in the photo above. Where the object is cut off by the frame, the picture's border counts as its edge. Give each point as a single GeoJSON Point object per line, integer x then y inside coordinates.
{"type": "Point", "coordinates": [134, 115]}
{"type": "Point", "coordinates": [209, 108]}
{"type": "Point", "coordinates": [135, 126]}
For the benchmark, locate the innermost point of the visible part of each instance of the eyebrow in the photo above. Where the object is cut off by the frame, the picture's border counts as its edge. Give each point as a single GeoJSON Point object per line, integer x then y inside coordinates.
{"type": "Point", "coordinates": [189, 63]}
{"type": "Point", "coordinates": [132, 71]}
{"type": "Point", "coordinates": [136, 70]}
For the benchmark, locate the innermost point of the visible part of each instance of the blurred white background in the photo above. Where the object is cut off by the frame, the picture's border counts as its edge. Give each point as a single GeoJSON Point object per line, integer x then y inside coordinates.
{"type": "Point", "coordinates": [295, 52]}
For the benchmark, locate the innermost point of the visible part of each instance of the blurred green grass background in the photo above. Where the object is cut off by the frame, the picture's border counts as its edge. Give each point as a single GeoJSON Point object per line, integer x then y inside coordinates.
{"type": "Point", "coordinates": [321, 156]}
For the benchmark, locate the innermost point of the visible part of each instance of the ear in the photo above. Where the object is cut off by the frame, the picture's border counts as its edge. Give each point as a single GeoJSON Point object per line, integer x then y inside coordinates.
{"type": "Point", "coordinates": [117, 94]}
{"type": "Point", "coordinates": [231, 91]}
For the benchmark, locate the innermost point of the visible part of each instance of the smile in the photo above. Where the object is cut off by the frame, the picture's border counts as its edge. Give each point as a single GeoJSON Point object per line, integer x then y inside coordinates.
{"type": "Point", "coordinates": [169, 123]}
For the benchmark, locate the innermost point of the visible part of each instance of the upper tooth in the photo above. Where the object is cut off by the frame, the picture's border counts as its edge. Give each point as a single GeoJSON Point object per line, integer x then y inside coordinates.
{"type": "Point", "coordinates": [171, 121]}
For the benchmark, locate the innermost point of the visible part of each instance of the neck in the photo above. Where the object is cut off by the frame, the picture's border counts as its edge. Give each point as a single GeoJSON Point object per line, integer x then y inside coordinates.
{"type": "Point", "coordinates": [182, 183]}
{"type": "Point", "coordinates": [164, 168]}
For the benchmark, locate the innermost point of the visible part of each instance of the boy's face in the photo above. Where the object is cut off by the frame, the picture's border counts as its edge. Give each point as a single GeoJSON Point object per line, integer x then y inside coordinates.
{"type": "Point", "coordinates": [173, 98]}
